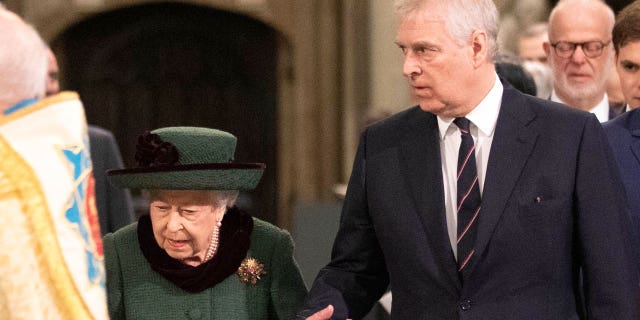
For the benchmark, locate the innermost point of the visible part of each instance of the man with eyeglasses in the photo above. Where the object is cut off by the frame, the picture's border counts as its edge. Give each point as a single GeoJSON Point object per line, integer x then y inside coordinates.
{"type": "Point", "coordinates": [581, 55]}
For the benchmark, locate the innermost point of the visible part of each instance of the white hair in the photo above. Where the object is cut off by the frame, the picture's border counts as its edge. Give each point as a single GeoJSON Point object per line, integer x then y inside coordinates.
{"type": "Point", "coordinates": [218, 198]}
{"type": "Point", "coordinates": [23, 61]}
{"type": "Point", "coordinates": [225, 197]}
{"type": "Point", "coordinates": [463, 18]}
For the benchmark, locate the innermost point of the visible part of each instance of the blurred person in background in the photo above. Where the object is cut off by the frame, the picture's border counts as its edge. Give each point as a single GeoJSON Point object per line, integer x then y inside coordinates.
{"type": "Point", "coordinates": [534, 58]}
{"type": "Point", "coordinates": [115, 208]}
{"type": "Point", "coordinates": [530, 43]}
{"type": "Point", "coordinates": [581, 55]}
{"type": "Point", "coordinates": [624, 131]}
{"type": "Point", "coordinates": [510, 68]}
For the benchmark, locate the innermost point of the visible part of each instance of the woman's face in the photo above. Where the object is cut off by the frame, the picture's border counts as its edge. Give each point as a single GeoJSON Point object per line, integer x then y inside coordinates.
{"type": "Point", "coordinates": [183, 222]}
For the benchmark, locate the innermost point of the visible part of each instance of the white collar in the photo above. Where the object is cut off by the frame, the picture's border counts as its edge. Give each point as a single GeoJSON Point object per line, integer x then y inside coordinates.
{"type": "Point", "coordinates": [601, 110]}
{"type": "Point", "coordinates": [484, 115]}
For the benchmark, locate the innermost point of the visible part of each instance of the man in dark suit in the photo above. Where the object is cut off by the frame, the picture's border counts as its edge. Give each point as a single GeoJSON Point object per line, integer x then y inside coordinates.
{"type": "Point", "coordinates": [487, 220]}
{"type": "Point", "coordinates": [624, 131]}
{"type": "Point", "coordinates": [115, 208]}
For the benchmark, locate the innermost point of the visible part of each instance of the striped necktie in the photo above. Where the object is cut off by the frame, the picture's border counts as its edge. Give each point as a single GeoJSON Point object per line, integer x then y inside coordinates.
{"type": "Point", "coordinates": [468, 195]}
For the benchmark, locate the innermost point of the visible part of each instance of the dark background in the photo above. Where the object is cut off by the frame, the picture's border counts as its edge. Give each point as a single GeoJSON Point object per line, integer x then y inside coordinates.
{"type": "Point", "coordinates": [158, 65]}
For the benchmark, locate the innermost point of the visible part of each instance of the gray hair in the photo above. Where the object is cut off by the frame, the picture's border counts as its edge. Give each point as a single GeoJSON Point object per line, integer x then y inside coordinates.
{"type": "Point", "coordinates": [463, 18]}
{"type": "Point", "coordinates": [23, 61]}
{"type": "Point", "coordinates": [218, 197]}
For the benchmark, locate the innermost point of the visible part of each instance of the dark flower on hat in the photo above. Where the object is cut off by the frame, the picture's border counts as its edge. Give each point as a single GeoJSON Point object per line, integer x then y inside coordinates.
{"type": "Point", "coordinates": [152, 151]}
{"type": "Point", "coordinates": [250, 270]}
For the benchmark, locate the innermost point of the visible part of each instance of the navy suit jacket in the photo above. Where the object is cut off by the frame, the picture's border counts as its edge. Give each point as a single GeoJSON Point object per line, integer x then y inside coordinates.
{"type": "Point", "coordinates": [552, 204]}
{"type": "Point", "coordinates": [624, 138]}
{"type": "Point", "coordinates": [115, 208]}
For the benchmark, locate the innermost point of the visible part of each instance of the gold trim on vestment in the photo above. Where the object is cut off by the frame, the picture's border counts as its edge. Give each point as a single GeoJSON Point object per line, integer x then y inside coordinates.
{"type": "Point", "coordinates": [39, 105]}
{"type": "Point", "coordinates": [24, 183]}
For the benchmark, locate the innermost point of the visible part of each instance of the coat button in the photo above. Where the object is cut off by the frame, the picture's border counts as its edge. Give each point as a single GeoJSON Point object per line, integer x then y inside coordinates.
{"type": "Point", "coordinates": [465, 305]}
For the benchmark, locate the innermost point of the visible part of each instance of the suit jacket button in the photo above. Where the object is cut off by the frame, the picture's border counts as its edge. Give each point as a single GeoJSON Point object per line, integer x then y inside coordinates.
{"type": "Point", "coordinates": [465, 305]}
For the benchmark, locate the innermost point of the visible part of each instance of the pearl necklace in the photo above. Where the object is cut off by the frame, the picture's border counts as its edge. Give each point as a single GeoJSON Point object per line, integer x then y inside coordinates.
{"type": "Point", "coordinates": [215, 239]}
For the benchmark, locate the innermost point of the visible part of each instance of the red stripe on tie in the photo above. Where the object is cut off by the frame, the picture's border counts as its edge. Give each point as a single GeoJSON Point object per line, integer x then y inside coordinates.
{"type": "Point", "coordinates": [467, 194]}
{"type": "Point", "coordinates": [475, 215]}
{"type": "Point", "coordinates": [464, 263]}
{"type": "Point", "coordinates": [466, 159]}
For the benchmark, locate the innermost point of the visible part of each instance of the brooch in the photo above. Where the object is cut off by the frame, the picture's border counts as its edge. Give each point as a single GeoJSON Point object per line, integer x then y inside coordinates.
{"type": "Point", "coordinates": [250, 270]}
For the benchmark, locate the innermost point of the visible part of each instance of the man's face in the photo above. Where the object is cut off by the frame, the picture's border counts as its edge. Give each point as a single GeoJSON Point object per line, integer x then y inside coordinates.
{"type": "Point", "coordinates": [628, 67]}
{"type": "Point", "coordinates": [52, 85]}
{"type": "Point", "coordinates": [531, 49]}
{"type": "Point", "coordinates": [436, 66]}
{"type": "Point", "coordinates": [579, 76]}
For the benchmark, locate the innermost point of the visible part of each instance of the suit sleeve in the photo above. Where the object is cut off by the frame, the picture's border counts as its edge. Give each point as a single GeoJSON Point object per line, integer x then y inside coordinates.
{"type": "Point", "coordinates": [357, 276]}
{"type": "Point", "coordinates": [120, 204]}
{"type": "Point", "coordinates": [114, 279]}
{"type": "Point", "coordinates": [115, 206]}
{"type": "Point", "coordinates": [611, 282]}
{"type": "Point", "coordinates": [287, 289]}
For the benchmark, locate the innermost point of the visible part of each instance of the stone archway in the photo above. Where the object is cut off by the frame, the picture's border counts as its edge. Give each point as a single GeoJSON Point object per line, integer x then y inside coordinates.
{"type": "Point", "coordinates": [169, 64]}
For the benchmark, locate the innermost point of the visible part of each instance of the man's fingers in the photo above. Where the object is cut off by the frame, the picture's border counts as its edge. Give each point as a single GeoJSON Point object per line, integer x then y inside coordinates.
{"type": "Point", "coordinates": [324, 314]}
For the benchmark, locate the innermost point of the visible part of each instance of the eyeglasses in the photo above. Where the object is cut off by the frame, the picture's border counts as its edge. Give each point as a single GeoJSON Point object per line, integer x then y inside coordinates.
{"type": "Point", "coordinates": [591, 49]}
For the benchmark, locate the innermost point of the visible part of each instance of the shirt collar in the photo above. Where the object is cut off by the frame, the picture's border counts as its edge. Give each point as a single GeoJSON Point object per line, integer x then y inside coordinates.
{"type": "Point", "coordinates": [601, 110]}
{"type": "Point", "coordinates": [484, 115]}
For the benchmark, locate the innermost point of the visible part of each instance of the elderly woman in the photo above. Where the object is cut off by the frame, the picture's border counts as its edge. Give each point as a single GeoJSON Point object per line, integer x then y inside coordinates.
{"type": "Point", "coordinates": [196, 255]}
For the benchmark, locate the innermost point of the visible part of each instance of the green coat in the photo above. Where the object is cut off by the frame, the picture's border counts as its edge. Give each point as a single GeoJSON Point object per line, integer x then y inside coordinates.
{"type": "Point", "coordinates": [135, 291]}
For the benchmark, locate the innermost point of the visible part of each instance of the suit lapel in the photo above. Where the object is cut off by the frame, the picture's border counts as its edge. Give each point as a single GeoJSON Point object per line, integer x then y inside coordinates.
{"type": "Point", "coordinates": [635, 146]}
{"type": "Point", "coordinates": [423, 172]}
{"type": "Point", "coordinates": [512, 145]}
{"type": "Point", "coordinates": [634, 128]}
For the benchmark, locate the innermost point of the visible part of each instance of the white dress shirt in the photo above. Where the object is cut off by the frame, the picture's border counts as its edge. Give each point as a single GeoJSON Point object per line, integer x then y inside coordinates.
{"type": "Point", "coordinates": [483, 123]}
{"type": "Point", "coordinates": [601, 110]}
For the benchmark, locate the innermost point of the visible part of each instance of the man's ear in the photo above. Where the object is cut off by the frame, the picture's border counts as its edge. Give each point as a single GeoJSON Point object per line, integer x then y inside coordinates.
{"type": "Point", "coordinates": [480, 47]}
{"type": "Point", "coordinates": [547, 49]}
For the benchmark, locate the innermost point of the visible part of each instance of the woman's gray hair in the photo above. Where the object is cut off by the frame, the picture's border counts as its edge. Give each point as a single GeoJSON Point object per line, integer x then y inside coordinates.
{"type": "Point", "coordinates": [225, 197]}
{"type": "Point", "coordinates": [463, 18]}
{"type": "Point", "coordinates": [23, 60]}
{"type": "Point", "coordinates": [218, 197]}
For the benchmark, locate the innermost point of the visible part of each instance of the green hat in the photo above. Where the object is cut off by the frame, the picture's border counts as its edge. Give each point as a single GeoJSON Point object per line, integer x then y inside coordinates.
{"type": "Point", "coordinates": [187, 158]}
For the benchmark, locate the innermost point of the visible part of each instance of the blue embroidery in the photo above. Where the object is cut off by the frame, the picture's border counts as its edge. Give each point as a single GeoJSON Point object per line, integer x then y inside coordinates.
{"type": "Point", "coordinates": [79, 163]}
{"type": "Point", "coordinates": [19, 105]}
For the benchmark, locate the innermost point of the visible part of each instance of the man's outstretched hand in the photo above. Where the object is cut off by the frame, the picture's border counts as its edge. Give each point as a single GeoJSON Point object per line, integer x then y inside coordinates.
{"type": "Point", "coordinates": [324, 314]}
